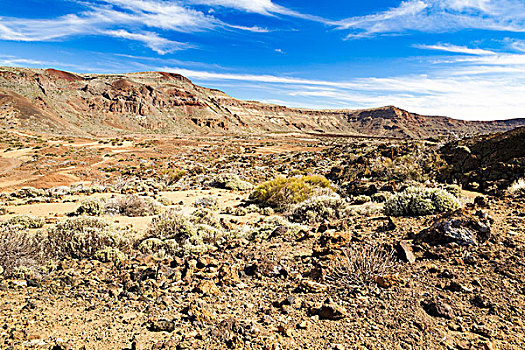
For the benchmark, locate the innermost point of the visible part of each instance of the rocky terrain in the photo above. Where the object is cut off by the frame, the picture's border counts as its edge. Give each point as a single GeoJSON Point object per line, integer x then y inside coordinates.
{"type": "Point", "coordinates": [64, 103]}
{"type": "Point", "coordinates": [292, 241]}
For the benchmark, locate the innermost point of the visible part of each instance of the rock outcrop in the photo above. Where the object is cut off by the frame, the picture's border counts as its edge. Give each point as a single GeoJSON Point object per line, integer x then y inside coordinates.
{"type": "Point", "coordinates": [60, 102]}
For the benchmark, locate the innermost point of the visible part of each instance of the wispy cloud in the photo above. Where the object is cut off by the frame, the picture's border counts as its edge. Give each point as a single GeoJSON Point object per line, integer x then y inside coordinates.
{"type": "Point", "coordinates": [152, 40]}
{"type": "Point", "coordinates": [474, 83]}
{"type": "Point", "coordinates": [456, 49]}
{"type": "Point", "coordinates": [439, 16]}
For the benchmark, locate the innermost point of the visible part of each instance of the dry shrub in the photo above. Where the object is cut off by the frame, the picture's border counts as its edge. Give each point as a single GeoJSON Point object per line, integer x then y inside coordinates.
{"type": "Point", "coordinates": [319, 209]}
{"type": "Point", "coordinates": [517, 188]}
{"type": "Point", "coordinates": [83, 236]}
{"type": "Point", "coordinates": [133, 206]}
{"type": "Point", "coordinates": [361, 265]}
{"type": "Point", "coordinates": [230, 182]}
{"type": "Point", "coordinates": [90, 207]}
{"type": "Point", "coordinates": [18, 250]}
{"type": "Point", "coordinates": [25, 221]}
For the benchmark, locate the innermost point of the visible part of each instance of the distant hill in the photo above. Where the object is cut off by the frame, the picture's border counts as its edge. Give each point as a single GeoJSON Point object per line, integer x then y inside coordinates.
{"type": "Point", "coordinates": [59, 102]}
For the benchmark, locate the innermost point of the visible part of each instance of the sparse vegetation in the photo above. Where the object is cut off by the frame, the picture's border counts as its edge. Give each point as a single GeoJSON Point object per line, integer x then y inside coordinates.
{"type": "Point", "coordinates": [517, 188]}
{"type": "Point", "coordinates": [231, 182]}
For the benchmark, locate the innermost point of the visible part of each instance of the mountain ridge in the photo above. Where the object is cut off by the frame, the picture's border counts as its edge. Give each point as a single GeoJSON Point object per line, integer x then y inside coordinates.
{"type": "Point", "coordinates": [60, 102]}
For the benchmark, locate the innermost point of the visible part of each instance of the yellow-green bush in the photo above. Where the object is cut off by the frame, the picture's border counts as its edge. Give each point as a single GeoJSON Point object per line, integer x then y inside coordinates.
{"type": "Point", "coordinates": [281, 192]}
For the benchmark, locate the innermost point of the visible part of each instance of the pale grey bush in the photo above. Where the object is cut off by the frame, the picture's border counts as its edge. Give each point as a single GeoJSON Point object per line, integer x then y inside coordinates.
{"type": "Point", "coordinates": [208, 202]}
{"type": "Point", "coordinates": [276, 226]}
{"type": "Point", "coordinates": [83, 236]}
{"type": "Point", "coordinates": [419, 201]}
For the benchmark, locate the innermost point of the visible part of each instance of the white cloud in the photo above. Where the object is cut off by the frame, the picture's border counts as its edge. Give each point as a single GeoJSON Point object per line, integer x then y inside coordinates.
{"type": "Point", "coordinates": [474, 84]}
{"type": "Point", "coordinates": [262, 7]}
{"type": "Point", "coordinates": [456, 49]}
{"type": "Point", "coordinates": [439, 16]}
{"type": "Point", "coordinates": [152, 40]}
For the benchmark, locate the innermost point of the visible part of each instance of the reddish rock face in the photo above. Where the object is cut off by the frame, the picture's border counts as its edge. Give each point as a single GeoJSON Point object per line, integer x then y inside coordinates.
{"type": "Point", "coordinates": [55, 101]}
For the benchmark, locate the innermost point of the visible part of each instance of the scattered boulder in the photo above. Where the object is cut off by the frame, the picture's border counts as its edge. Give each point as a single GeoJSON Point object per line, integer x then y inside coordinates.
{"type": "Point", "coordinates": [459, 227]}
{"type": "Point", "coordinates": [329, 241]}
{"type": "Point", "coordinates": [329, 310]}
{"type": "Point", "coordinates": [404, 251]}
{"type": "Point", "coordinates": [438, 308]}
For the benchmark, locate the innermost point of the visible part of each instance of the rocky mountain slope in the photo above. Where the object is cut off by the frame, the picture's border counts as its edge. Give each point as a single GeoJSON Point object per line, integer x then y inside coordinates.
{"type": "Point", "coordinates": [487, 163]}
{"type": "Point", "coordinates": [60, 102]}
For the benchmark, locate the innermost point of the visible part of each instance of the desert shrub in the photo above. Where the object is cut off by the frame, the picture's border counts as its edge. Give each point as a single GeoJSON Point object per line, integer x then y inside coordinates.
{"type": "Point", "coordinates": [25, 221]}
{"type": "Point", "coordinates": [205, 217]}
{"type": "Point", "coordinates": [171, 224]}
{"type": "Point", "coordinates": [133, 205]}
{"type": "Point", "coordinates": [276, 226]}
{"type": "Point", "coordinates": [175, 232]}
{"type": "Point", "coordinates": [19, 250]}
{"type": "Point", "coordinates": [240, 211]}
{"type": "Point", "coordinates": [281, 192]}
{"type": "Point", "coordinates": [361, 199]}
{"type": "Point", "coordinates": [360, 265]}
{"type": "Point", "coordinates": [83, 236]}
{"type": "Point", "coordinates": [517, 188]}
{"type": "Point", "coordinates": [90, 207]}
{"type": "Point", "coordinates": [172, 176]}
{"type": "Point", "coordinates": [230, 182]}
{"type": "Point", "coordinates": [454, 190]}
{"type": "Point", "coordinates": [418, 201]}
{"type": "Point", "coordinates": [267, 211]}
{"type": "Point", "coordinates": [380, 197]}
{"type": "Point", "coordinates": [29, 192]}
{"type": "Point", "coordinates": [319, 209]}
{"type": "Point", "coordinates": [209, 202]}
{"type": "Point", "coordinates": [109, 254]}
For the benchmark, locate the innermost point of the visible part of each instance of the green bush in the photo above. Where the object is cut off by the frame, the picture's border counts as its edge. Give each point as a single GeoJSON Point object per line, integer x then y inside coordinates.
{"type": "Point", "coordinates": [83, 236]}
{"type": "Point", "coordinates": [91, 207]}
{"type": "Point", "coordinates": [26, 221]}
{"type": "Point", "coordinates": [318, 209]}
{"type": "Point", "coordinates": [281, 192]}
{"type": "Point", "coordinates": [418, 201]}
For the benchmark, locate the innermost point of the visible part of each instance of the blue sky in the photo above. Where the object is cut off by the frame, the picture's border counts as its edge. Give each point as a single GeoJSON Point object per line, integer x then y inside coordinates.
{"type": "Point", "coordinates": [461, 58]}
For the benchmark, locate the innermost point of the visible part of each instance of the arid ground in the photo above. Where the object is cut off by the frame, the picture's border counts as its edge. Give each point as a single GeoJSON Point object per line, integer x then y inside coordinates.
{"type": "Point", "coordinates": [170, 242]}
